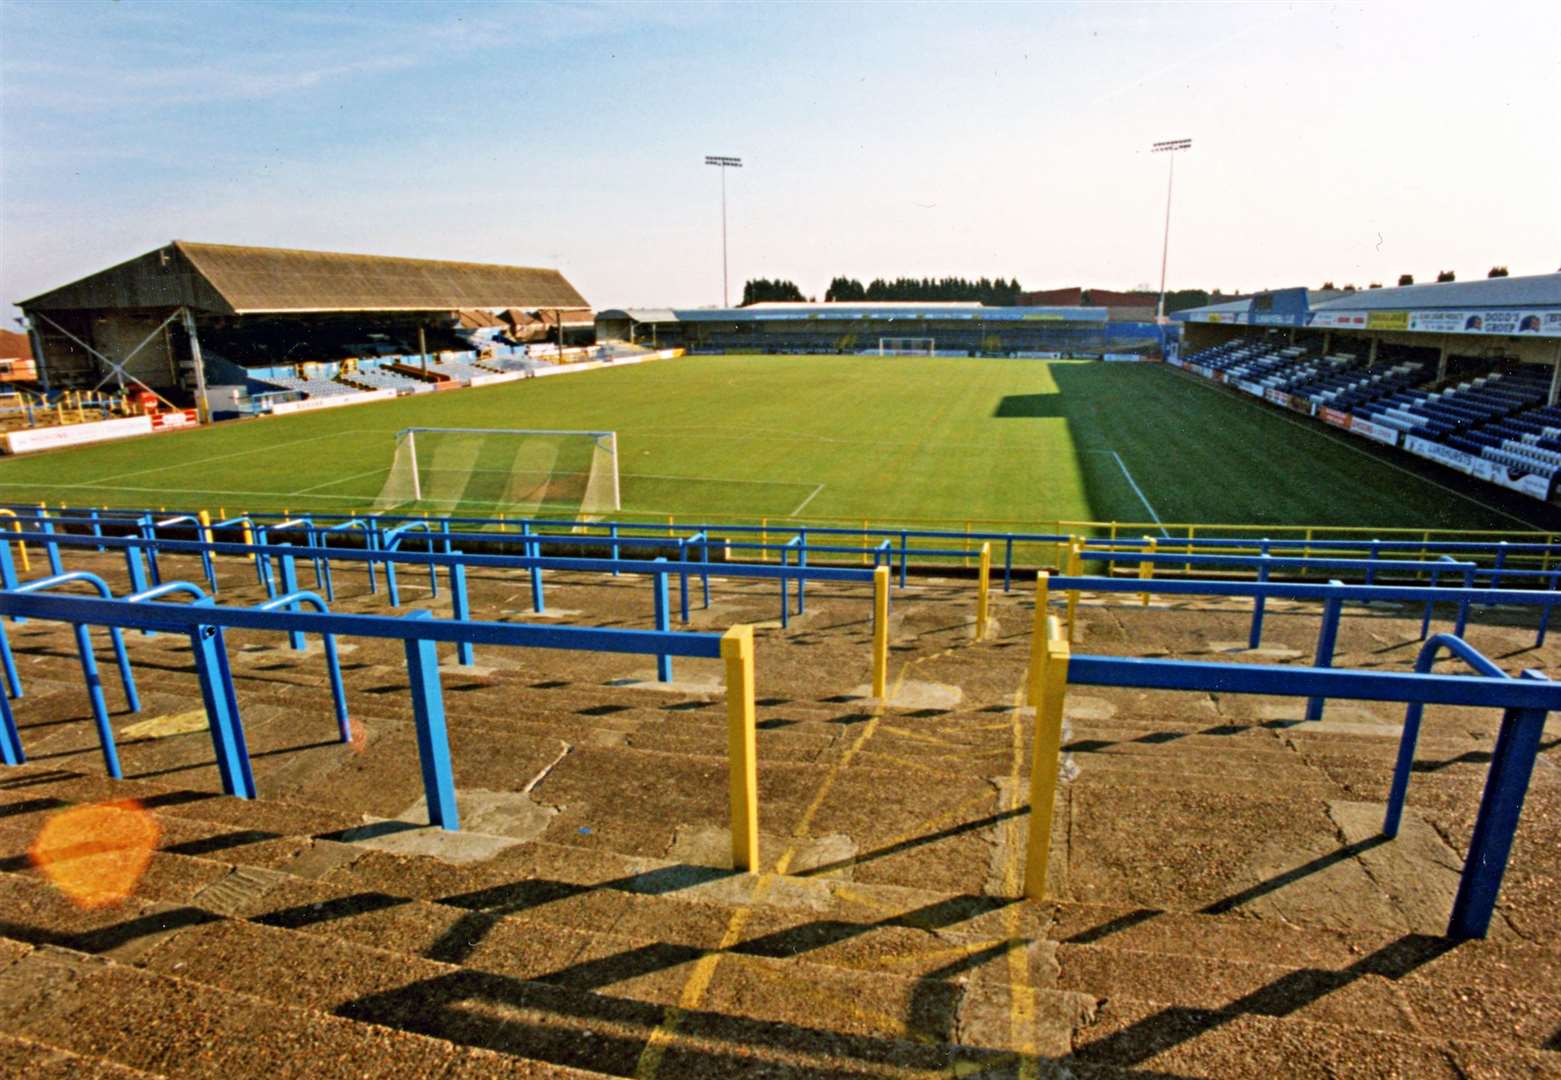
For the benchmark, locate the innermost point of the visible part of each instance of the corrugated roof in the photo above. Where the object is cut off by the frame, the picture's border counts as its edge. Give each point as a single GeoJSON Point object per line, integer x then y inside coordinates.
{"type": "Point", "coordinates": [1533, 290]}
{"type": "Point", "coordinates": [640, 315]}
{"type": "Point", "coordinates": [238, 280]}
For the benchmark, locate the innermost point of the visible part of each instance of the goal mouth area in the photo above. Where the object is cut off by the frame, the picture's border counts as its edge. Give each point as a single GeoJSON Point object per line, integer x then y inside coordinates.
{"type": "Point", "coordinates": [907, 346]}
{"type": "Point", "coordinates": [519, 470]}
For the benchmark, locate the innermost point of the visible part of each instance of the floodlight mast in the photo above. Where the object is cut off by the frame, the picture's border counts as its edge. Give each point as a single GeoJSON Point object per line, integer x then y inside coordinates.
{"type": "Point", "coordinates": [1170, 146]}
{"type": "Point", "coordinates": [723, 162]}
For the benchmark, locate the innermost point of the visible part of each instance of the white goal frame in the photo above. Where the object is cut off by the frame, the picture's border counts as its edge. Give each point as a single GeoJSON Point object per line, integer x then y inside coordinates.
{"type": "Point", "coordinates": [907, 346]}
{"type": "Point", "coordinates": [608, 438]}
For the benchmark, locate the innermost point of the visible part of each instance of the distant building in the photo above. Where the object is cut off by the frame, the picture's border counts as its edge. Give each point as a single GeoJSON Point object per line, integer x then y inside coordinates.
{"type": "Point", "coordinates": [16, 358]}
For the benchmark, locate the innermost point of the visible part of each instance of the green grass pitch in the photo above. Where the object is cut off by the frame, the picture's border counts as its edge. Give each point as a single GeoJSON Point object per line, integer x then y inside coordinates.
{"type": "Point", "coordinates": [839, 438]}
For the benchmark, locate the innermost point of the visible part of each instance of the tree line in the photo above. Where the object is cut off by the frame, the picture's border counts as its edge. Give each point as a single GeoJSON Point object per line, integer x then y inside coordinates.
{"type": "Point", "coordinates": [990, 291]}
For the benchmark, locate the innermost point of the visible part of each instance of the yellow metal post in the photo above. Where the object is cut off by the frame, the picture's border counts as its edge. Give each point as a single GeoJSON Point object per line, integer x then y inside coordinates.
{"type": "Point", "coordinates": [1038, 637]}
{"type": "Point", "coordinates": [249, 535]}
{"type": "Point", "coordinates": [966, 561]}
{"type": "Point", "coordinates": [16, 526]}
{"type": "Point", "coordinates": [204, 517]}
{"type": "Point", "coordinates": [880, 632]}
{"type": "Point", "coordinates": [1146, 569]}
{"type": "Point", "coordinates": [741, 750]}
{"type": "Point", "coordinates": [1075, 565]}
{"type": "Point", "coordinates": [983, 583]}
{"type": "Point", "coordinates": [864, 543]}
{"type": "Point", "coordinates": [1046, 760]}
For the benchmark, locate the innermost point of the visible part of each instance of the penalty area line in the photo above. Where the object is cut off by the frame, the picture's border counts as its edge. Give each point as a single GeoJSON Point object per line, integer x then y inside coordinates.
{"type": "Point", "coordinates": [803, 504]}
{"type": "Point", "coordinates": [1139, 492]}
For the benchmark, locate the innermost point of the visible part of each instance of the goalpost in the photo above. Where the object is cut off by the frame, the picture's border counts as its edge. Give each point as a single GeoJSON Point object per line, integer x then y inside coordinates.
{"type": "Point", "coordinates": [906, 346]}
{"type": "Point", "coordinates": [487, 470]}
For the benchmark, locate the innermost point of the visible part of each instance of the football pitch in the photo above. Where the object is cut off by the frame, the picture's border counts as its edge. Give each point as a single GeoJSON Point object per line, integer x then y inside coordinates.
{"type": "Point", "coordinates": [892, 440]}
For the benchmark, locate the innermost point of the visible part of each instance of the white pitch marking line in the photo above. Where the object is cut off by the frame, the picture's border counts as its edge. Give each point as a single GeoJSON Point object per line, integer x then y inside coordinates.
{"type": "Point", "coordinates": [803, 504]}
{"type": "Point", "coordinates": [204, 461]}
{"type": "Point", "coordinates": [1139, 492]}
{"type": "Point", "coordinates": [340, 480]}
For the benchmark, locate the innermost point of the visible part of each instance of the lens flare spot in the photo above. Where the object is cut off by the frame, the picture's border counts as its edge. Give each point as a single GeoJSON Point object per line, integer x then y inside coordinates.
{"type": "Point", "coordinates": [96, 854]}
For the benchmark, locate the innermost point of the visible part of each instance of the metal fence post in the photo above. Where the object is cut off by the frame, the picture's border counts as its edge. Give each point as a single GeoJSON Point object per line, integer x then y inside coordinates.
{"type": "Point", "coordinates": [1038, 637]}
{"type": "Point", "coordinates": [1327, 638]}
{"type": "Point", "coordinates": [683, 581]}
{"type": "Point", "coordinates": [10, 739]}
{"type": "Point", "coordinates": [1501, 804]}
{"type": "Point", "coordinates": [222, 718]}
{"type": "Point", "coordinates": [433, 742]}
{"type": "Point", "coordinates": [460, 611]}
{"type": "Point", "coordinates": [1146, 568]}
{"type": "Point", "coordinates": [741, 751]}
{"type": "Point", "coordinates": [880, 632]}
{"type": "Point", "coordinates": [983, 584]}
{"type": "Point", "coordinates": [663, 622]}
{"type": "Point", "coordinates": [1046, 759]}
{"type": "Point", "coordinates": [1259, 602]}
{"type": "Point", "coordinates": [13, 680]}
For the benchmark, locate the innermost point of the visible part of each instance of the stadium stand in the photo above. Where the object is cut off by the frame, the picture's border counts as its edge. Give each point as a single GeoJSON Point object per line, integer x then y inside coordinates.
{"type": "Point", "coordinates": [383, 379]}
{"type": "Point", "coordinates": [1437, 414]}
{"type": "Point", "coordinates": [307, 387]}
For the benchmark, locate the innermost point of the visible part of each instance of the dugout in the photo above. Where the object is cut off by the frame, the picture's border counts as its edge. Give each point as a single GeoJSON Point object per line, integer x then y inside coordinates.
{"type": "Point", "coordinates": [1450, 326]}
{"type": "Point", "coordinates": [188, 313]}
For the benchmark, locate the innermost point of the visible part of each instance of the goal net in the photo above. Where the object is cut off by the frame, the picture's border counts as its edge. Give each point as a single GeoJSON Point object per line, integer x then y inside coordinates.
{"type": "Point", "coordinates": [489, 470]}
{"type": "Point", "coordinates": [906, 346]}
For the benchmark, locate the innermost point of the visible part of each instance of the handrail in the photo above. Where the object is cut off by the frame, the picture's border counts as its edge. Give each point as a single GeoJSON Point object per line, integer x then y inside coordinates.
{"type": "Point", "coordinates": [89, 664]}
{"type": "Point", "coordinates": [332, 663]}
{"type": "Point", "coordinates": [1526, 702]}
{"type": "Point", "coordinates": [419, 631]}
{"type": "Point", "coordinates": [1424, 662]}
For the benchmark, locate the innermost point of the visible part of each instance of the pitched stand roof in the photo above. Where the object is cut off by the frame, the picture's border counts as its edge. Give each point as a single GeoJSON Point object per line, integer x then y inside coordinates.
{"type": "Point", "coordinates": [235, 280]}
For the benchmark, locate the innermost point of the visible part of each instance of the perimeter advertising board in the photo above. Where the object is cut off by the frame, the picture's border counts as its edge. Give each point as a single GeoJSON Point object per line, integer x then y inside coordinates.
{"type": "Point", "coordinates": [1379, 432]}
{"type": "Point", "coordinates": [25, 442]}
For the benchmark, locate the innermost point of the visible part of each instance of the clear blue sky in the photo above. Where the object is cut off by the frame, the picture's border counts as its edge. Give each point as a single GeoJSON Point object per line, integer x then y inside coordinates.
{"type": "Point", "coordinates": [1331, 141]}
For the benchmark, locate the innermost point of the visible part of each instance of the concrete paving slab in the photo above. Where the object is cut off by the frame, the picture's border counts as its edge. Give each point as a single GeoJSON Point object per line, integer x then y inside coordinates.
{"type": "Point", "coordinates": [702, 845]}
{"type": "Point", "coordinates": [914, 694]}
{"type": "Point", "coordinates": [162, 727]}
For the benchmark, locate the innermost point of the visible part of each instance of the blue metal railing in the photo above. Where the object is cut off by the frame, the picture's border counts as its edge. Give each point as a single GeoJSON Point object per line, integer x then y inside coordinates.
{"type": "Point", "coordinates": [1525, 702]}
{"type": "Point", "coordinates": [205, 623]}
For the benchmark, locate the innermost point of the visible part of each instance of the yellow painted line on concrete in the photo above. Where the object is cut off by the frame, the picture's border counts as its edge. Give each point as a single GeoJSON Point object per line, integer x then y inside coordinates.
{"type": "Point", "coordinates": [1021, 998]}
{"type": "Point", "coordinates": [704, 969]}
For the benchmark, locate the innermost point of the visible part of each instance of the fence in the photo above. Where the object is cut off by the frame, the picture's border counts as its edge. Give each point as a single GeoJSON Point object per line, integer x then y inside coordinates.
{"type": "Point", "coordinates": [1020, 544]}
{"type": "Point", "coordinates": [1525, 702]}
{"type": "Point", "coordinates": [284, 575]}
{"type": "Point", "coordinates": [204, 622]}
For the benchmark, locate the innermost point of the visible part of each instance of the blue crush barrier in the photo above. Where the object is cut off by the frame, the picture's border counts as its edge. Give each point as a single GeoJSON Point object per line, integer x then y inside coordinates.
{"type": "Point", "coordinates": [1333, 596]}
{"type": "Point", "coordinates": [1525, 702]}
{"type": "Point", "coordinates": [457, 564]}
{"type": "Point", "coordinates": [205, 622]}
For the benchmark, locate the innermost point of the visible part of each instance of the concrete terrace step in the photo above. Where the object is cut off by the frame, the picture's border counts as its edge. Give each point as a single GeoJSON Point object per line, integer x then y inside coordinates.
{"type": "Point", "coordinates": [272, 835]}
{"type": "Point", "coordinates": [40, 1061]}
{"type": "Point", "coordinates": [569, 985]}
{"type": "Point", "coordinates": [156, 1024]}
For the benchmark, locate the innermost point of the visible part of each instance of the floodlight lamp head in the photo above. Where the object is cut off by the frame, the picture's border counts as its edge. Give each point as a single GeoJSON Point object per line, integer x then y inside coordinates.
{"type": "Point", "coordinates": [1170, 144]}
{"type": "Point", "coordinates": [724, 161]}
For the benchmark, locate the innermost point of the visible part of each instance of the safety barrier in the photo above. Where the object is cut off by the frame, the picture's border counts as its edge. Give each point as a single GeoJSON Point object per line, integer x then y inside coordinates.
{"type": "Point", "coordinates": [1022, 543]}
{"type": "Point", "coordinates": [456, 563]}
{"type": "Point", "coordinates": [1525, 702]}
{"type": "Point", "coordinates": [205, 622]}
